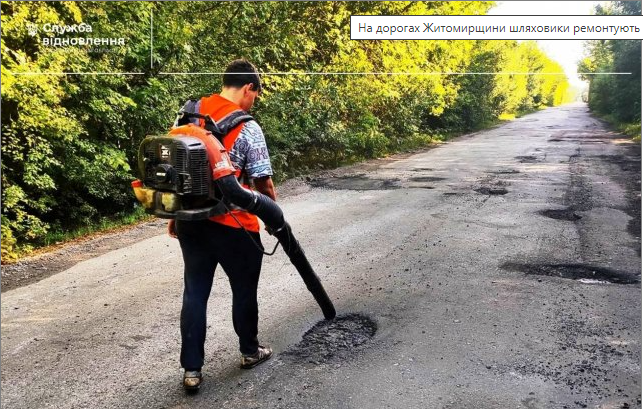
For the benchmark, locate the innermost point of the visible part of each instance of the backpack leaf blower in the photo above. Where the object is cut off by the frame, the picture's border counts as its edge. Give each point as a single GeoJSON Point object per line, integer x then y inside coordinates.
{"type": "Point", "coordinates": [187, 175]}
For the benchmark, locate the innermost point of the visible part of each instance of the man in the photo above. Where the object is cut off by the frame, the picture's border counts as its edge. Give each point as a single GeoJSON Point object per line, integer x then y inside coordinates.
{"type": "Point", "coordinates": [222, 239]}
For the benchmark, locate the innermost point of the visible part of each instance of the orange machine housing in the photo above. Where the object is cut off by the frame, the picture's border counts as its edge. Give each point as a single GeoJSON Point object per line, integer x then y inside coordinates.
{"type": "Point", "coordinates": [217, 154]}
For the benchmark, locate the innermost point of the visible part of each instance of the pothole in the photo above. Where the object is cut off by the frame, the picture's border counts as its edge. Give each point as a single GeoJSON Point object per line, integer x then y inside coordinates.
{"type": "Point", "coordinates": [561, 214]}
{"type": "Point", "coordinates": [527, 159]}
{"type": "Point", "coordinates": [425, 179]}
{"type": "Point", "coordinates": [494, 191]}
{"type": "Point", "coordinates": [582, 272]}
{"type": "Point", "coordinates": [357, 182]}
{"type": "Point", "coordinates": [505, 172]}
{"type": "Point", "coordinates": [555, 140]}
{"type": "Point", "coordinates": [333, 340]}
{"type": "Point", "coordinates": [592, 281]}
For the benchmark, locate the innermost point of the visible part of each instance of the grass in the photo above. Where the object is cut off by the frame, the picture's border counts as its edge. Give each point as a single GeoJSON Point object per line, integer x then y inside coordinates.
{"type": "Point", "coordinates": [56, 238]}
{"type": "Point", "coordinates": [105, 224]}
{"type": "Point", "coordinates": [631, 129]}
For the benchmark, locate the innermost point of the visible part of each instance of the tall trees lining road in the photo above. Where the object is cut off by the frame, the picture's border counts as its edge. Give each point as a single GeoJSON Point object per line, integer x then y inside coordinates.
{"type": "Point", "coordinates": [618, 97]}
{"type": "Point", "coordinates": [69, 141]}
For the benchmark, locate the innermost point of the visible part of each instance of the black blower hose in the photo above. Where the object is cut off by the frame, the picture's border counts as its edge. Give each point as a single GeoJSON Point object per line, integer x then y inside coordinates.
{"type": "Point", "coordinates": [271, 214]}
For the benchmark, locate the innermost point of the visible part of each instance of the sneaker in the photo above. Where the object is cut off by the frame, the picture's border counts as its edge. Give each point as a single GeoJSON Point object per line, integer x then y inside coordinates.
{"type": "Point", "coordinates": [250, 361]}
{"type": "Point", "coordinates": [192, 380]}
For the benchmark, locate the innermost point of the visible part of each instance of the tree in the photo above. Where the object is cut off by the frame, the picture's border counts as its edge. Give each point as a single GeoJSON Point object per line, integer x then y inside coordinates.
{"type": "Point", "coordinates": [70, 141]}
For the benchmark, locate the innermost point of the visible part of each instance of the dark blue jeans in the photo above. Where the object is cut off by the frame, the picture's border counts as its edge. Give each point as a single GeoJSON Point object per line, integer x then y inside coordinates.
{"type": "Point", "coordinates": [204, 245]}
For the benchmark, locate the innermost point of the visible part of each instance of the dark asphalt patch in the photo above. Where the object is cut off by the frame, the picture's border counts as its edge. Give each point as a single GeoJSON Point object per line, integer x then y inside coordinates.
{"type": "Point", "coordinates": [363, 182]}
{"type": "Point", "coordinates": [333, 340]}
{"type": "Point", "coordinates": [575, 272]}
{"type": "Point", "coordinates": [561, 214]}
{"type": "Point", "coordinates": [426, 179]}
{"type": "Point", "coordinates": [527, 159]}
{"type": "Point", "coordinates": [357, 182]}
{"type": "Point", "coordinates": [505, 172]}
{"type": "Point", "coordinates": [579, 194]}
{"type": "Point", "coordinates": [493, 191]}
{"type": "Point", "coordinates": [629, 177]}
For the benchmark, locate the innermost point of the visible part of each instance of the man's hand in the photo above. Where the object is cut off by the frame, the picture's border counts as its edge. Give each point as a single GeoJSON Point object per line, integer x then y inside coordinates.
{"type": "Point", "coordinates": [264, 185]}
{"type": "Point", "coordinates": [171, 228]}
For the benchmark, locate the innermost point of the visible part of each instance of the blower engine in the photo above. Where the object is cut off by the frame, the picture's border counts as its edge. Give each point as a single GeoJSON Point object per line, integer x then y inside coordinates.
{"type": "Point", "coordinates": [187, 175]}
{"type": "Point", "coordinates": [176, 181]}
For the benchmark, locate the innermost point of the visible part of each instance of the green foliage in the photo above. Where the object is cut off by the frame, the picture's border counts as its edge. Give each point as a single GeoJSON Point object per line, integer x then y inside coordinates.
{"type": "Point", "coordinates": [69, 142]}
{"type": "Point", "coordinates": [617, 97]}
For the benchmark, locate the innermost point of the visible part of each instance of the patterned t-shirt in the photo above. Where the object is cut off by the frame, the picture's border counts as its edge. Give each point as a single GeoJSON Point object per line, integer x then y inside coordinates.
{"type": "Point", "coordinates": [250, 151]}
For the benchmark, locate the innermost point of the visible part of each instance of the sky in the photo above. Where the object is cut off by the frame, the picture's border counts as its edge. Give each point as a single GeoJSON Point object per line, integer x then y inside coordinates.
{"type": "Point", "coordinates": [566, 52]}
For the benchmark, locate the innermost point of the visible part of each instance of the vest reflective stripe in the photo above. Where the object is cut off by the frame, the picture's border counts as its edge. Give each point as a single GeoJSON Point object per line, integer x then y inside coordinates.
{"type": "Point", "coordinates": [218, 107]}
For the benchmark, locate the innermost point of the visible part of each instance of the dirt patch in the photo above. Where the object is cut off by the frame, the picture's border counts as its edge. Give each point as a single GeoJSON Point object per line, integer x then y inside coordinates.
{"type": "Point", "coordinates": [333, 340]}
{"type": "Point", "coordinates": [356, 182]}
{"type": "Point", "coordinates": [561, 214]}
{"type": "Point", "coordinates": [579, 272]}
{"type": "Point", "coordinates": [492, 191]}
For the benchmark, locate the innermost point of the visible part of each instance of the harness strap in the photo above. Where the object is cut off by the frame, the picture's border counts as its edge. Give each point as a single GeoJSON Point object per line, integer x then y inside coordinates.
{"type": "Point", "coordinates": [219, 129]}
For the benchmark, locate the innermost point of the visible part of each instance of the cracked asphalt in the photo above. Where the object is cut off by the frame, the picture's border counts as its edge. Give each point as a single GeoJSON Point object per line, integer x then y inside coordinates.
{"type": "Point", "coordinates": [499, 270]}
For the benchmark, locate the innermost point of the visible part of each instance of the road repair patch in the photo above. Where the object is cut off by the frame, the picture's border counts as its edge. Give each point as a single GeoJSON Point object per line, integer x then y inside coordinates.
{"type": "Point", "coordinates": [561, 214]}
{"type": "Point", "coordinates": [581, 272]}
{"type": "Point", "coordinates": [504, 172]}
{"type": "Point", "coordinates": [527, 159]}
{"type": "Point", "coordinates": [493, 191]}
{"type": "Point", "coordinates": [426, 179]}
{"type": "Point", "coordinates": [333, 340]}
{"type": "Point", "coordinates": [356, 182]}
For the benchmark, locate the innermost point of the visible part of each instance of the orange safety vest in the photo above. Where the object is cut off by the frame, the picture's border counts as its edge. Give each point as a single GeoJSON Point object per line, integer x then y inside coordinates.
{"type": "Point", "coordinates": [218, 107]}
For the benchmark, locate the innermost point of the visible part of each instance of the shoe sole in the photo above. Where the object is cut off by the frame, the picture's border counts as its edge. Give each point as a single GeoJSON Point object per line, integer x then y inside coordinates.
{"type": "Point", "coordinates": [194, 388]}
{"type": "Point", "coordinates": [191, 388]}
{"type": "Point", "coordinates": [256, 363]}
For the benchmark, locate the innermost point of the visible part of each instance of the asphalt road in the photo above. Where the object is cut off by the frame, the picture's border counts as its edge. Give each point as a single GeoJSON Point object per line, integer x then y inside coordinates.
{"type": "Point", "coordinates": [500, 270]}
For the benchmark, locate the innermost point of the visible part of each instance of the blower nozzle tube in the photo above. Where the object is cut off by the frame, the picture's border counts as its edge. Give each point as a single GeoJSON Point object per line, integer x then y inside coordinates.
{"type": "Point", "coordinates": [271, 214]}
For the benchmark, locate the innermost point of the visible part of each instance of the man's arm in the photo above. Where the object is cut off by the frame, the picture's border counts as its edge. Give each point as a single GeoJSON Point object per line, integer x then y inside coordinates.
{"type": "Point", "coordinates": [264, 185]}
{"type": "Point", "coordinates": [250, 153]}
{"type": "Point", "coordinates": [171, 228]}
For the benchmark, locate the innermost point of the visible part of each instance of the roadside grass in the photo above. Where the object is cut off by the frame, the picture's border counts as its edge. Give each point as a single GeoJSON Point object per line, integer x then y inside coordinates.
{"type": "Point", "coordinates": [631, 129]}
{"type": "Point", "coordinates": [124, 219]}
{"type": "Point", "coordinates": [56, 238]}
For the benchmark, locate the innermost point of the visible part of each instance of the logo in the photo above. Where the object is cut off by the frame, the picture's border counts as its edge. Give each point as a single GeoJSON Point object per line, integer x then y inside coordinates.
{"type": "Point", "coordinates": [165, 152]}
{"type": "Point", "coordinates": [32, 29]}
